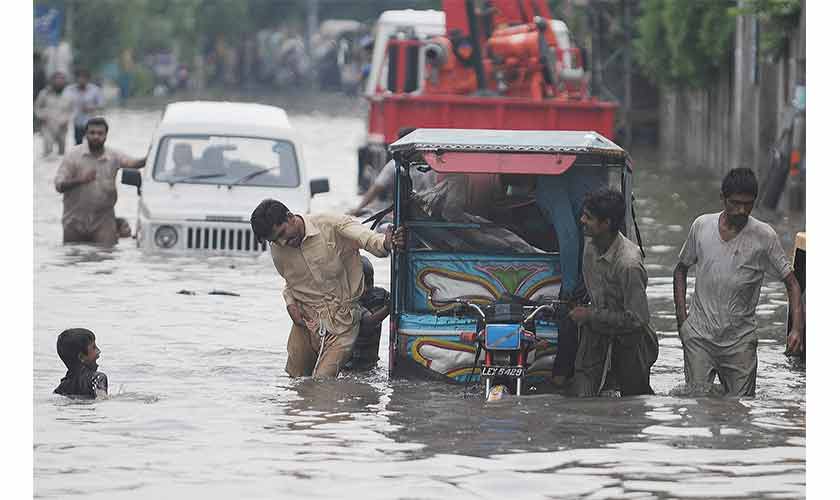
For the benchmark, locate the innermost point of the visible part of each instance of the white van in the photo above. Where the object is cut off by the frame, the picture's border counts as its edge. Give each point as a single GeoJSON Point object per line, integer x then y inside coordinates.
{"type": "Point", "coordinates": [210, 165]}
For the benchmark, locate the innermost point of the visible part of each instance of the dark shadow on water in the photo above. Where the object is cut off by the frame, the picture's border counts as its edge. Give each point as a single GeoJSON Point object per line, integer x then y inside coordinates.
{"type": "Point", "coordinates": [83, 253]}
{"type": "Point", "coordinates": [306, 402]}
{"type": "Point", "coordinates": [441, 418]}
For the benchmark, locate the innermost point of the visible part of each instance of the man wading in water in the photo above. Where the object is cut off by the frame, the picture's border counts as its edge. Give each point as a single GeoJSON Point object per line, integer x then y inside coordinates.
{"type": "Point", "coordinates": [732, 252]}
{"type": "Point", "coordinates": [615, 334]}
{"type": "Point", "coordinates": [87, 179]}
{"type": "Point", "coordinates": [318, 256]}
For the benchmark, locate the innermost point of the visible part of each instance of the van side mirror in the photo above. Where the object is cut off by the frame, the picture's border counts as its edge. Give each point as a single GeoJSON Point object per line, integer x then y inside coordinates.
{"type": "Point", "coordinates": [318, 186]}
{"type": "Point", "coordinates": [132, 177]}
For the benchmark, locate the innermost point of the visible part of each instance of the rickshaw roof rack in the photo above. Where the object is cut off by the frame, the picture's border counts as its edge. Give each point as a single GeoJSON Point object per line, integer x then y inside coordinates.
{"type": "Point", "coordinates": [508, 141]}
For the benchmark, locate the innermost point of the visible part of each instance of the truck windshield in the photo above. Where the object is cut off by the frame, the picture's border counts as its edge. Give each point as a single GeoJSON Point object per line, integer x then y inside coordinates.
{"type": "Point", "coordinates": [217, 159]}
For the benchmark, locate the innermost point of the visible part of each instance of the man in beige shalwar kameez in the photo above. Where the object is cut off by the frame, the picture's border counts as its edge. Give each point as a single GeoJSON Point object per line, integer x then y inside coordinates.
{"type": "Point", "coordinates": [87, 179]}
{"type": "Point", "coordinates": [318, 256]}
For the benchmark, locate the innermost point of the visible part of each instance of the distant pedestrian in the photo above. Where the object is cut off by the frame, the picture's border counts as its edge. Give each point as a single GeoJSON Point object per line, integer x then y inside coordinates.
{"type": "Point", "coordinates": [54, 110]}
{"type": "Point", "coordinates": [87, 100]}
{"type": "Point", "coordinates": [732, 251]}
{"type": "Point", "coordinates": [87, 179]}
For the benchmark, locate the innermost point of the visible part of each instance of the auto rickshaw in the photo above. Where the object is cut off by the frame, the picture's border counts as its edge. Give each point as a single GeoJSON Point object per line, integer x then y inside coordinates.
{"type": "Point", "coordinates": [493, 253]}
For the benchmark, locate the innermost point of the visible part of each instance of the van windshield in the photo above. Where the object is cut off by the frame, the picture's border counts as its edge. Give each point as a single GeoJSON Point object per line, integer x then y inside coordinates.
{"type": "Point", "coordinates": [221, 159]}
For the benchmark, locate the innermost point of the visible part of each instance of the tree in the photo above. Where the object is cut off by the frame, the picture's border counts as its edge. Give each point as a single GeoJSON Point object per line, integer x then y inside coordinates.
{"type": "Point", "coordinates": [684, 42]}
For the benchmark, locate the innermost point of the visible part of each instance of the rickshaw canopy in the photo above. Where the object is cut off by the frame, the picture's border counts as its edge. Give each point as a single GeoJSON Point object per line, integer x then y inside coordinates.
{"type": "Point", "coordinates": [541, 152]}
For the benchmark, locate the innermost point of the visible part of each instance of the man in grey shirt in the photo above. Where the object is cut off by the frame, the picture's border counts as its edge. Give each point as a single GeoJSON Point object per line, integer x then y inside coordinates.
{"type": "Point", "coordinates": [383, 185]}
{"type": "Point", "coordinates": [615, 334]}
{"type": "Point", "coordinates": [87, 180]}
{"type": "Point", "coordinates": [87, 100]}
{"type": "Point", "coordinates": [732, 252]}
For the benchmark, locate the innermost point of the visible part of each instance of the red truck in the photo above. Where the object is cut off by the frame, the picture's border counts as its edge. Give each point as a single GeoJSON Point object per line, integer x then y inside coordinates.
{"type": "Point", "coordinates": [493, 64]}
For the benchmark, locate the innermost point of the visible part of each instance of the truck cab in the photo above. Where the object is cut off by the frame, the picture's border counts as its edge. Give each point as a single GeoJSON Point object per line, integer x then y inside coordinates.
{"type": "Point", "coordinates": [507, 65]}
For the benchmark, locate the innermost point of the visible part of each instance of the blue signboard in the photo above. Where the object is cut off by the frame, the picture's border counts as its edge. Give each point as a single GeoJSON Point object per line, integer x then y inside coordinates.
{"type": "Point", "coordinates": [48, 21]}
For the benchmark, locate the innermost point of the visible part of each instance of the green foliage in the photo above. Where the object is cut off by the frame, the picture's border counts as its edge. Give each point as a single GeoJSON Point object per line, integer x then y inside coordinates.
{"type": "Point", "coordinates": [142, 80]}
{"type": "Point", "coordinates": [97, 34]}
{"type": "Point", "coordinates": [684, 42]}
{"type": "Point", "coordinates": [101, 30]}
{"type": "Point", "coordinates": [779, 19]}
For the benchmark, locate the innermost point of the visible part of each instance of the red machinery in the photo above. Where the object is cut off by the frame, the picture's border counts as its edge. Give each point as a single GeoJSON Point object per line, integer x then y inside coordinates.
{"type": "Point", "coordinates": [499, 64]}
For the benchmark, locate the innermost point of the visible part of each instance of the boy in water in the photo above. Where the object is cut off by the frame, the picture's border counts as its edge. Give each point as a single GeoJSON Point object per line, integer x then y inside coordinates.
{"type": "Point", "coordinates": [77, 348]}
{"type": "Point", "coordinates": [376, 303]}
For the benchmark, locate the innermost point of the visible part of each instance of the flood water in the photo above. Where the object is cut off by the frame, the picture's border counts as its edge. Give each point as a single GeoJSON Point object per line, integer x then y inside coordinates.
{"type": "Point", "coordinates": [201, 407]}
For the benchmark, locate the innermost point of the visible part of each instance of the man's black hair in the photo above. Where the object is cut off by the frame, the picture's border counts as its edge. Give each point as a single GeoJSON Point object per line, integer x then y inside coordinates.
{"type": "Point", "coordinates": [404, 131]}
{"type": "Point", "coordinates": [71, 343]}
{"type": "Point", "coordinates": [97, 120]}
{"type": "Point", "coordinates": [367, 270]}
{"type": "Point", "coordinates": [268, 214]}
{"type": "Point", "coordinates": [606, 203]}
{"type": "Point", "coordinates": [83, 72]}
{"type": "Point", "coordinates": [739, 181]}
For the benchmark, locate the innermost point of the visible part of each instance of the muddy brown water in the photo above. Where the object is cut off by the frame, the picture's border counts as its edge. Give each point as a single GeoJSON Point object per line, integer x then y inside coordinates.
{"type": "Point", "coordinates": [201, 406]}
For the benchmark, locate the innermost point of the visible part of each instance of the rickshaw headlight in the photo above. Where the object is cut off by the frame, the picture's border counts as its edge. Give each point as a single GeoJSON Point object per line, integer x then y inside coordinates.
{"type": "Point", "coordinates": [166, 236]}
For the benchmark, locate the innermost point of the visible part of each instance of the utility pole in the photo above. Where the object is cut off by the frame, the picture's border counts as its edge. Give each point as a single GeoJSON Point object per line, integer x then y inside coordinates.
{"type": "Point", "coordinates": [311, 29]}
{"type": "Point", "coordinates": [628, 74]}
{"type": "Point", "coordinates": [595, 23]}
{"type": "Point", "coordinates": [68, 22]}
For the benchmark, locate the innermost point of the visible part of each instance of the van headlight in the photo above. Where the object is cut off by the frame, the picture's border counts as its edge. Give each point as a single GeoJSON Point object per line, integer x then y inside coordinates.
{"type": "Point", "coordinates": [166, 236]}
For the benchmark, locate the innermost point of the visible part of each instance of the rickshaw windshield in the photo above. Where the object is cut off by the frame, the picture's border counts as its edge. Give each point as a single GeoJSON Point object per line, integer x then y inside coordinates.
{"type": "Point", "coordinates": [497, 213]}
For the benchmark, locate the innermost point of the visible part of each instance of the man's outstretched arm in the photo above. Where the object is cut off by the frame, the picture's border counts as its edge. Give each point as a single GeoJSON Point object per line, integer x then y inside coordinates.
{"type": "Point", "coordinates": [680, 286]}
{"type": "Point", "coordinates": [794, 293]}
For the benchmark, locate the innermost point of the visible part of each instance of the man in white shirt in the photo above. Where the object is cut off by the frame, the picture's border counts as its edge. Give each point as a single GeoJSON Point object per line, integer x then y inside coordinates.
{"type": "Point", "coordinates": [732, 252]}
{"type": "Point", "coordinates": [87, 100]}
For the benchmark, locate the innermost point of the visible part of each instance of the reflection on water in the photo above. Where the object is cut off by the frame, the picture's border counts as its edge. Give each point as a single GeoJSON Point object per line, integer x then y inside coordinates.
{"type": "Point", "coordinates": [203, 408]}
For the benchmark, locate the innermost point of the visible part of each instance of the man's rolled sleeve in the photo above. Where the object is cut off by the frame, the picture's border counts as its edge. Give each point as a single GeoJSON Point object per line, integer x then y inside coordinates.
{"type": "Point", "coordinates": [386, 176]}
{"type": "Point", "coordinates": [635, 297]}
{"type": "Point", "coordinates": [363, 237]}
{"type": "Point", "coordinates": [66, 171]}
{"type": "Point", "coordinates": [607, 322]}
{"type": "Point", "coordinates": [688, 254]}
{"type": "Point", "coordinates": [777, 264]}
{"type": "Point", "coordinates": [635, 314]}
{"type": "Point", "coordinates": [288, 296]}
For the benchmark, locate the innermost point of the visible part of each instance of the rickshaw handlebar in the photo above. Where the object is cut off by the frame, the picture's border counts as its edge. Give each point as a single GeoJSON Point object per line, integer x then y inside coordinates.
{"type": "Point", "coordinates": [466, 303]}
{"type": "Point", "coordinates": [535, 310]}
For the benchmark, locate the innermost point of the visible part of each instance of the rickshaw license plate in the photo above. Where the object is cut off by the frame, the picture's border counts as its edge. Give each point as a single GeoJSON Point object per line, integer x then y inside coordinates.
{"type": "Point", "coordinates": [502, 371]}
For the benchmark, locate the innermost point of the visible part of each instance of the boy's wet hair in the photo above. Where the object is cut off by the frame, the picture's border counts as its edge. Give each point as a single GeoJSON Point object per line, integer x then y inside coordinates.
{"type": "Point", "coordinates": [739, 181]}
{"type": "Point", "coordinates": [606, 203]}
{"type": "Point", "coordinates": [367, 270]}
{"type": "Point", "coordinates": [268, 214]}
{"type": "Point", "coordinates": [71, 343]}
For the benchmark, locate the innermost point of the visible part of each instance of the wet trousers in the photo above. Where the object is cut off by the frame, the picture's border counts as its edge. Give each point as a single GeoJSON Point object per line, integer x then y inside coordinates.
{"type": "Point", "coordinates": [105, 233]}
{"type": "Point", "coordinates": [630, 360]}
{"type": "Point", "coordinates": [303, 348]}
{"type": "Point", "coordinates": [735, 366]}
{"type": "Point", "coordinates": [54, 135]}
{"type": "Point", "coordinates": [78, 133]}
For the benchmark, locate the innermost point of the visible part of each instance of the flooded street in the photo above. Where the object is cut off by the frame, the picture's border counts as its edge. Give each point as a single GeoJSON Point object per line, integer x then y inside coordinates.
{"type": "Point", "coordinates": [201, 406]}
